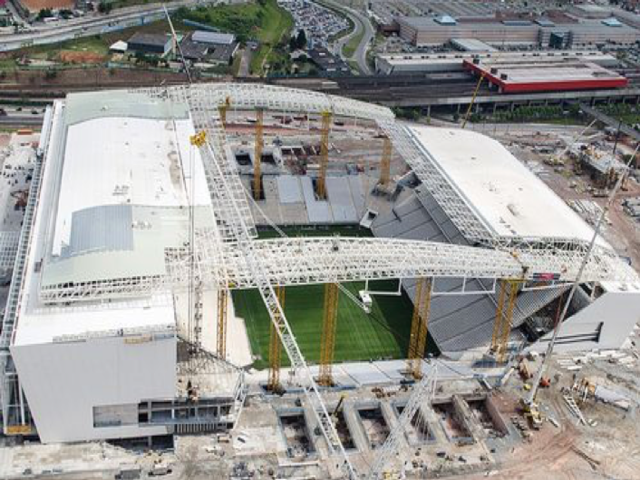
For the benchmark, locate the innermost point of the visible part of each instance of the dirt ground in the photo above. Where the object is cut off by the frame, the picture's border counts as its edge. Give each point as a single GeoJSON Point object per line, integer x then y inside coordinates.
{"type": "Point", "coordinates": [86, 79]}
{"type": "Point", "coordinates": [37, 5]}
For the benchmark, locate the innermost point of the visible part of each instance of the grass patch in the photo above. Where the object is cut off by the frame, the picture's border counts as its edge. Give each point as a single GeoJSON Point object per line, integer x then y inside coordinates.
{"type": "Point", "coordinates": [350, 47]}
{"type": "Point", "coordinates": [263, 21]}
{"type": "Point", "coordinates": [382, 334]}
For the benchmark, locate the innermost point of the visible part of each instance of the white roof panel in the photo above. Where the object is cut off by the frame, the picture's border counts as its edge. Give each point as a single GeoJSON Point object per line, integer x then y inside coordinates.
{"type": "Point", "coordinates": [506, 195]}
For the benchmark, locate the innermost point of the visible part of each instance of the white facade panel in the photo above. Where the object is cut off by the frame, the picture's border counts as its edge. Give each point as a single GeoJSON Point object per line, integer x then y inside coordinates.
{"type": "Point", "coordinates": [65, 381]}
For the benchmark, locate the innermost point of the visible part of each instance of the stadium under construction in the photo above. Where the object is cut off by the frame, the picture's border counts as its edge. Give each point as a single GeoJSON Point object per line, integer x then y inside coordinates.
{"type": "Point", "coordinates": [151, 211]}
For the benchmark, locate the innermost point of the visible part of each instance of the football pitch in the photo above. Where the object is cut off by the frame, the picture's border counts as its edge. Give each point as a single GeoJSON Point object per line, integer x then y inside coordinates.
{"type": "Point", "coordinates": [381, 334]}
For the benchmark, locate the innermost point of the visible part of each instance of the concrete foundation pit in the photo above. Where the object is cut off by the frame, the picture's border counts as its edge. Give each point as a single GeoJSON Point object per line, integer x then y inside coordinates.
{"type": "Point", "coordinates": [296, 434]}
{"type": "Point", "coordinates": [419, 430]}
{"type": "Point", "coordinates": [487, 416]}
{"type": "Point", "coordinates": [243, 159]}
{"type": "Point", "coordinates": [344, 432]}
{"type": "Point", "coordinates": [454, 428]}
{"type": "Point", "coordinates": [374, 424]}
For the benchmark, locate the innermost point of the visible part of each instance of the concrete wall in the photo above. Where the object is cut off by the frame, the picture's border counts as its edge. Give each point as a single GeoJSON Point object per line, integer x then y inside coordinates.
{"type": "Point", "coordinates": [63, 382]}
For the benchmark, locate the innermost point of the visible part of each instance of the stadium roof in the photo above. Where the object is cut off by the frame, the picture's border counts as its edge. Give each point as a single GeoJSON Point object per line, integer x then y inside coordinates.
{"type": "Point", "coordinates": [118, 177]}
{"type": "Point", "coordinates": [507, 196]}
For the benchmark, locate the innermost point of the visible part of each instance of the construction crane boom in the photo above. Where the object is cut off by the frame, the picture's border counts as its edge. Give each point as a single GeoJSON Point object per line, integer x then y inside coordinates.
{"type": "Point", "coordinates": [422, 394]}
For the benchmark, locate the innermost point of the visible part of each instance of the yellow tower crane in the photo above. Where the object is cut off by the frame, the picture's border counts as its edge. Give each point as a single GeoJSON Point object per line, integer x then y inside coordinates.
{"type": "Point", "coordinates": [257, 154]}
{"type": "Point", "coordinates": [221, 346]}
{"type": "Point", "coordinates": [473, 101]}
{"type": "Point", "coordinates": [504, 318]}
{"type": "Point", "coordinates": [275, 350]}
{"type": "Point", "coordinates": [385, 161]}
{"type": "Point", "coordinates": [419, 323]}
{"type": "Point", "coordinates": [222, 109]}
{"type": "Point", "coordinates": [321, 187]}
{"type": "Point", "coordinates": [329, 327]}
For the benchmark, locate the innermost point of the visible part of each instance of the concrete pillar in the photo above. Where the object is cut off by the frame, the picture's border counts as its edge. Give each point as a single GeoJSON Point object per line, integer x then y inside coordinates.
{"type": "Point", "coordinates": [637, 100]}
{"type": "Point", "coordinates": [495, 107]}
{"type": "Point", "coordinates": [513, 106]}
{"type": "Point", "coordinates": [429, 111]}
{"type": "Point", "coordinates": [458, 109]}
{"type": "Point", "coordinates": [477, 108]}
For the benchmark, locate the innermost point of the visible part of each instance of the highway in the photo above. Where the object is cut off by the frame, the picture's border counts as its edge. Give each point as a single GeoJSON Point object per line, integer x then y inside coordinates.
{"type": "Point", "coordinates": [95, 24]}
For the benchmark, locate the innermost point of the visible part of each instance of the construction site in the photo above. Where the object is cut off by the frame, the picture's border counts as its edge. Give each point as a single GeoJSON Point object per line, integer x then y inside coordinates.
{"type": "Point", "coordinates": [249, 281]}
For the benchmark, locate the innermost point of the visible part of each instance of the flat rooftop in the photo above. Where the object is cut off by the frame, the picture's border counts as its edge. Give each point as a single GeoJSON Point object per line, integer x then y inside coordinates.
{"type": "Point", "coordinates": [592, 56]}
{"type": "Point", "coordinates": [118, 173]}
{"type": "Point", "coordinates": [502, 192]}
{"type": "Point", "coordinates": [544, 74]}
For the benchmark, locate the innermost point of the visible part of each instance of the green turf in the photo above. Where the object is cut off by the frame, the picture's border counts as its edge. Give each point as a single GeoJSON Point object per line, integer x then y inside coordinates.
{"type": "Point", "coordinates": [350, 47]}
{"type": "Point", "coordinates": [382, 334]}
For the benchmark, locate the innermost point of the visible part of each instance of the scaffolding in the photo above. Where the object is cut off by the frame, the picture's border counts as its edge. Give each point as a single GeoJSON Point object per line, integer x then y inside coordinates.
{"type": "Point", "coordinates": [257, 155]}
{"type": "Point", "coordinates": [221, 345]}
{"type": "Point", "coordinates": [419, 325]}
{"type": "Point", "coordinates": [504, 318]}
{"type": "Point", "coordinates": [321, 182]}
{"type": "Point", "coordinates": [385, 162]}
{"type": "Point", "coordinates": [223, 109]}
{"type": "Point", "coordinates": [329, 327]}
{"type": "Point", "coordinates": [275, 350]}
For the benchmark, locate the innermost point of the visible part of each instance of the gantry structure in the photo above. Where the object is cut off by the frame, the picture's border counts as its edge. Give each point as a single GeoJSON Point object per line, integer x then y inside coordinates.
{"type": "Point", "coordinates": [227, 255]}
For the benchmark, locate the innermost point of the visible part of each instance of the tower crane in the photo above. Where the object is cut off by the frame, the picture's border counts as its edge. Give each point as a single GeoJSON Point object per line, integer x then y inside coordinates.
{"type": "Point", "coordinates": [321, 187]}
{"type": "Point", "coordinates": [530, 400]}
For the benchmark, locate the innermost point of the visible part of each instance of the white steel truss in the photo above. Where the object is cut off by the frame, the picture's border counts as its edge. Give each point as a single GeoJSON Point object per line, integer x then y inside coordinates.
{"type": "Point", "coordinates": [8, 249]}
{"type": "Point", "coordinates": [225, 189]}
{"type": "Point", "coordinates": [317, 260]}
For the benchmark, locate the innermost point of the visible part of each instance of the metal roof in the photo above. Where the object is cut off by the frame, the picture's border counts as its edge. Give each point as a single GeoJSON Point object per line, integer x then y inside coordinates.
{"type": "Point", "coordinates": [213, 38]}
{"type": "Point", "coordinates": [102, 228]}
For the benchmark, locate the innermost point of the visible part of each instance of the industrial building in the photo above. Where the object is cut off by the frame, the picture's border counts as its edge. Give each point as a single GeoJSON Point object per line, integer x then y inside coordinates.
{"type": "Point", "coordinates": [445, 62]}
{"type": "Point", "coordinates": [544, 74]}
{"type": "Point", "coordinates": [138, 224]}
{"type": "Point", "coordinates": [150, 43]}
{"type": "Point", "coordinates": [427, 31]}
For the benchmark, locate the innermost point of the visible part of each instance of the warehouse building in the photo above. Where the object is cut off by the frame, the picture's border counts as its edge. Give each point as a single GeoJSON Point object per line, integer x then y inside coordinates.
{"type": "Point", "coordinates": [544, 74]}
{"type": "Point", "coordinates": [148, 43]}
{"type": "Point", "coordinates": [446, 62]}
{"type": "Point", "coordinates": [426, 31]}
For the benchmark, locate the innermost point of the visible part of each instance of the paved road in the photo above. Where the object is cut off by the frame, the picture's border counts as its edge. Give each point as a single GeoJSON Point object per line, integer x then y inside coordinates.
{"type": "Point", "coordinates": [92, 25]}
{"type": "Point", "coordinates": [361, 23]}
